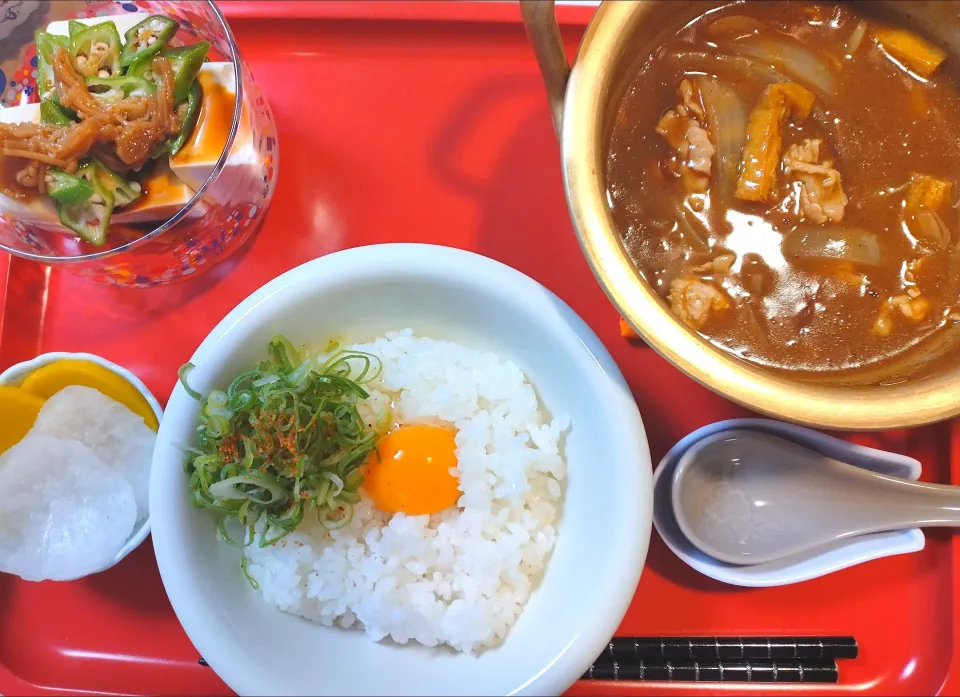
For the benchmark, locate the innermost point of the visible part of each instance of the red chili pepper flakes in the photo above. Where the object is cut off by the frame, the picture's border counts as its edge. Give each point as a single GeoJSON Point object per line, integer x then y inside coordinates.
{"type": "Point", "coordinates": [263, 437]}
{"type": "Point", "coordinates": [229, 448]}
{"type": "Point", "coordinates": [310, 424]}
{"type": "Point", "coordinates": [288, 437]}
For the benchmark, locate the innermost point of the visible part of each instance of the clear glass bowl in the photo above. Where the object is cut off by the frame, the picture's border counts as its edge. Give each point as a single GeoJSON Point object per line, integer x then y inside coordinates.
{"type": "Point", "coordinates": [222, 214]}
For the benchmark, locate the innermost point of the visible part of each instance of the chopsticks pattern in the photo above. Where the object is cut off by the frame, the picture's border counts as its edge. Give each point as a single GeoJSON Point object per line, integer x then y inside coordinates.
{"type": "Point", "coordinates": [724, 659]}
{"type": "Point", "coordinates": [810, 671]}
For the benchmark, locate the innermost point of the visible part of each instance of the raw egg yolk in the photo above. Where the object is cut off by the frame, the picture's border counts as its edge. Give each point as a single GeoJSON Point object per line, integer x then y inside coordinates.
{"type": "Point", "coordinates": [412, 473]}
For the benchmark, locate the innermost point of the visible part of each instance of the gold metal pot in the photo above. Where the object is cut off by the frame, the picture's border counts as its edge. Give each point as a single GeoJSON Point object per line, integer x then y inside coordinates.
{"type": "Point", "coordinates": [582, 99]}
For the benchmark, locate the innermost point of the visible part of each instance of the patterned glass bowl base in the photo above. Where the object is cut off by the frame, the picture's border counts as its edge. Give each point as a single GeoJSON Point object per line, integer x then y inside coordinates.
{"type": "Point", "coordinates": [230, 208]}
{"type": "Point", "coordinates": [157, 265]}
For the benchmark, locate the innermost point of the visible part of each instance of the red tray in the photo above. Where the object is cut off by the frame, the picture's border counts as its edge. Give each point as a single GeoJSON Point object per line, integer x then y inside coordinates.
{"type": "Point", "coordinates": [426, 121]}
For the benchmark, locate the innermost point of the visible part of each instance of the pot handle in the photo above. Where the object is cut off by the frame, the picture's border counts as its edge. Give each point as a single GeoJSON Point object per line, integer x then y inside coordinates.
{"type": "Point", "coordinates": [540, 21]}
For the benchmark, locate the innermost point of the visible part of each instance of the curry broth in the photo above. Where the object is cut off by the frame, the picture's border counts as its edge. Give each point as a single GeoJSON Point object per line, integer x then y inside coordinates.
{"type": "Point", "coordinates": [878, 126]}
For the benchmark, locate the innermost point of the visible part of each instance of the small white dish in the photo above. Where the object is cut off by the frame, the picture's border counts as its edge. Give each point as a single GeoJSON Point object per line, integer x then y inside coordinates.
{"type": "Point", "coordinates": [16, 374]}
{"type": "Point", "coordinates": [833, 557]}
{"type": "Point", "coordinates": [443, 293]}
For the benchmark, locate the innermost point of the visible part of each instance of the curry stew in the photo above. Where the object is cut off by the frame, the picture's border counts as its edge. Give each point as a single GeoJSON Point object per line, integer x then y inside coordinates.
{"type": "Point", "coordinates": [783, 174]}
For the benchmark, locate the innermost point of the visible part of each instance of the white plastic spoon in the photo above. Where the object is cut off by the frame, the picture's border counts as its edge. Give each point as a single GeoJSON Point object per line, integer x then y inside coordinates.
{"type": "Point", "coordinates": [746, 497]}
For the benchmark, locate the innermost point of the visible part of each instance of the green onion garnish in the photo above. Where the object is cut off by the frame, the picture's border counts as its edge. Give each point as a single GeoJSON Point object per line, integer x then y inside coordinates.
{"type": "Point", "coordinates": [250, 579]}
{"type": "Point", "coordinates": [182, 374]}
{"type": "Point", "coordinates": [284, 438]}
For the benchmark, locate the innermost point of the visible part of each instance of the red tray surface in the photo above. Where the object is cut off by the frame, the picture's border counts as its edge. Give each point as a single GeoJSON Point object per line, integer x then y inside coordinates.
{"type": "Point", "coordinates": [423, 121]}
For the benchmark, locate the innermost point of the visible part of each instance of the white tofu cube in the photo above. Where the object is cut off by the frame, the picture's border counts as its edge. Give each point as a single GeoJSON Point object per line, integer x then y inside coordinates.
{"type": "Point", "coordinates": [38, 210]}
{"type": "Point", "coordinates": [35, 210]}
{"type": "Point", "coordinates": [195, 163]}
{"type": "Point", "coordinates": [168, 189]}
{"type": "Point", "coordinates": [221, 73]}
{"type": "Point", "coordinates": [25, 113]}
{"type": "Point", "coordinates": [170, 186]}
{"type": "Point", "coordinates": [164, 194]}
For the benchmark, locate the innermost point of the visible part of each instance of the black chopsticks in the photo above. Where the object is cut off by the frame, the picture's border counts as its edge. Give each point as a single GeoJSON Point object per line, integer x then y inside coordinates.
{"type": "Point", "coordinates": [780, 659]}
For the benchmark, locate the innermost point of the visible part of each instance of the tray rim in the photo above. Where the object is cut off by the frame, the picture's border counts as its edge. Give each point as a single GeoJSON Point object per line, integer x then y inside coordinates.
{"type": "Point", "coordinates": [573, 13]}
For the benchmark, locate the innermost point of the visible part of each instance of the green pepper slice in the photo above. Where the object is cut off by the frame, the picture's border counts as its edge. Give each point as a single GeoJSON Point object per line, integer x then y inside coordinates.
{"type": "Point", "coordinates": [53, 114]}
{"type": "Point", "coordinates": [111, 89]}
{"type": "Point", "coordinates": [122, 191]}
{"type": "Point", "coordinates": [161, 149]}
{"type": "Point", "coordinates": [90, 219]}
{"type": "Point", "coordinates": [141, 68]}
{"type": "Point", "coordinates": [71, 114]}
{"type": "Point", "coordinates": [74, 27]}
{"type": "Point", "coordinates": [147, 38]}
{"type": "Point", "coordinates": [84, 221]}
{"type": "Point", "coordinates": [189, 113]}
{"type": "Point", "coordinates": [68, 189]}
{"type": "Point", "coordinates": [47, 45]}
{"type": "Point", "coordinates": [96, 50]}
{"type": "Point", "coordinates": [186, 62]}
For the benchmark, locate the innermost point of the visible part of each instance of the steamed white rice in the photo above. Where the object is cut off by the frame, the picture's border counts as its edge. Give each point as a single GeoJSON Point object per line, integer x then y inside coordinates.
{"type": "Point", "coordinates": [460, 577]}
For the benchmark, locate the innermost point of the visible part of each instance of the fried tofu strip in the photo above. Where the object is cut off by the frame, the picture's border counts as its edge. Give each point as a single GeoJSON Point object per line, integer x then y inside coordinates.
{"type": "Point", "coordinates": [761, 154]}
{"type": "Point", "coordinates": [926, 197]}
{"type": "Point", "coordinates": [918, 54]}
{"type": "Point", "coordinates": [927, 192]}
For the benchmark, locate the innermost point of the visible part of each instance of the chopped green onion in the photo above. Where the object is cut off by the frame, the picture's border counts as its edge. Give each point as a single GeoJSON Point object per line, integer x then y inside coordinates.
{"type": "Point", "coordinates": [250, 579]}
{"type": "Point", "coordinates": [225, 535]}
{"type": "Point", "coordinates": [182, 374]}
{"type": "Point", "coordinates": [283, 438]}
{"type": "Point", "coordinates": [335, 524]}
{"type": "Point", "coordinates": [267, 379]}
{"type": "Point", "coordinates": [230, 489]}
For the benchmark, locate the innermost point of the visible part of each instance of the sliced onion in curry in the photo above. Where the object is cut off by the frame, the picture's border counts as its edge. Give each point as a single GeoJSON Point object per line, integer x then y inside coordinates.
{"type": "Point", "coordinates": [734, 27]}
{"type": "Point", "coordinates": [928, 229]}
{"type": "Point", "coordinates": [705, 63]}
{"type": "Point", "coordinates": [840, 243]}
{"type": "Point", "coordinates": [856, 37]}
{"type": "Point", "coordinates": [727, 122]}
{"type": "Point", "coordinates": [688, 229]}
{"type": "Point", "coordinates": [791, 57]}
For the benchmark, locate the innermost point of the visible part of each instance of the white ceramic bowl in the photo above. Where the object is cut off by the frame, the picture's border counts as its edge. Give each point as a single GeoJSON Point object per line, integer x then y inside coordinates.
{"type": "Point", "coordinates": [446, 294]}
{"type": "Point", "coordinates": [829, 558]}
{"type": "Point", "coordinates": [16, 374]}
